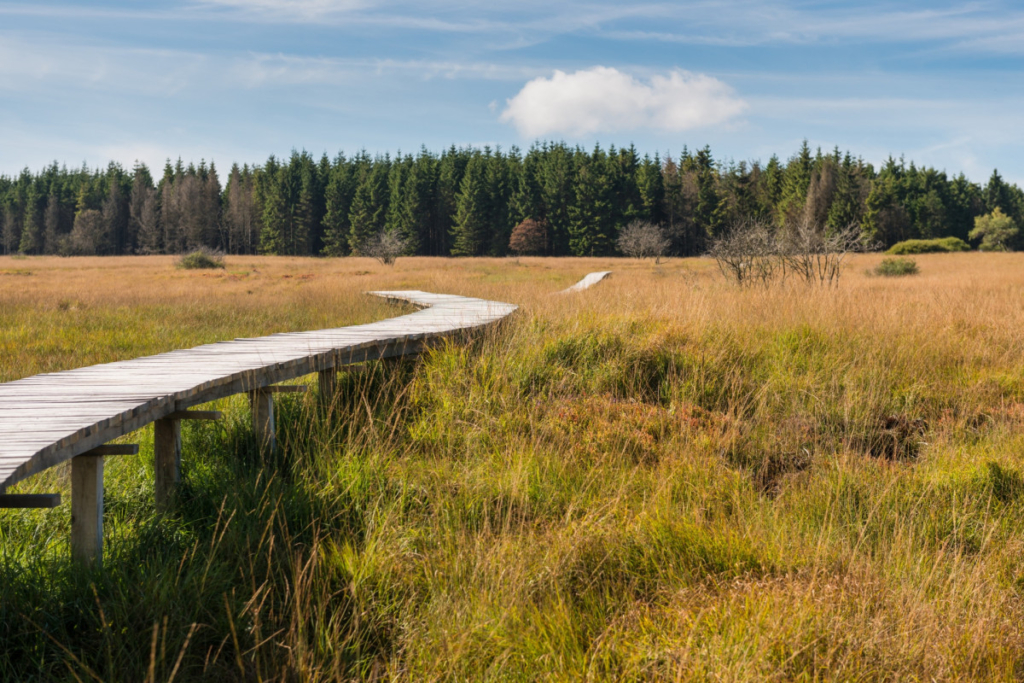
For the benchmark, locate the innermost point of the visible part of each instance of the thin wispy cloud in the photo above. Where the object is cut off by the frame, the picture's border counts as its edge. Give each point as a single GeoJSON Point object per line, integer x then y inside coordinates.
{"type": "Point", "coordinates": [250, 77]}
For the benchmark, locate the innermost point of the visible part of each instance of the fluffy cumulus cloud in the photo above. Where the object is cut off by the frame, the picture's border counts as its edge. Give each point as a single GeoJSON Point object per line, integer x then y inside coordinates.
{"type": "Point", "coordinates": [603, 99]}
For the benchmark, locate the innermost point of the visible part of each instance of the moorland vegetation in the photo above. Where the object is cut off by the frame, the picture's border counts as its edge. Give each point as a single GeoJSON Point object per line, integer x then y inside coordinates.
{"type": "Point", "coordinates": [668, 477]}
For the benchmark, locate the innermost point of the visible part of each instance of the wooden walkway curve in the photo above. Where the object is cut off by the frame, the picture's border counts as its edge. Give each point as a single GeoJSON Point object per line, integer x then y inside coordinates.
{"type": "Point", "coordinates": [48, 419]}
{"type": "Point", "coordinates": [587, 282]}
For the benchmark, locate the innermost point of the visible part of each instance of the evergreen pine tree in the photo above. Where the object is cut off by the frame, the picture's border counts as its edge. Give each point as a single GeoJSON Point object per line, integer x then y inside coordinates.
{"type": "Point", "coordinates": [796, 180]}
{"type": "Point", "coordinates": [368, 214]}
{"type": "Point", "coordinates": [592, 214]}
{"type": "Point", "coordinates": [341, 187]}
{"type": "Point", "coordinates": [273, 207]}
{"type": "Point", "coordinates": [710, 209]}
{"type": "Point", "coordinates": [650, 183]}
{"type": "Point", "coordinates": [472, 210]}
{"type": "Point", "coordinates": [31, 241]}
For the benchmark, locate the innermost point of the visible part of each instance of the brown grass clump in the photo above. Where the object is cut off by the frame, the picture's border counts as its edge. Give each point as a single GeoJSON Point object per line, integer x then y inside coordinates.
{"type": "Point", "coordinates": [664, 478]}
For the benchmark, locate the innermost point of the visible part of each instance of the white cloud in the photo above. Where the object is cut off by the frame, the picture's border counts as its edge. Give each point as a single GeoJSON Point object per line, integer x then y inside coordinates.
{"type": "Point", "coordinates": [603, 99]}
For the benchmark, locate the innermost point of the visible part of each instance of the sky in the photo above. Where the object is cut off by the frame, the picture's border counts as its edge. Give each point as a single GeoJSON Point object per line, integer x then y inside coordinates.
{"type": "Point", "coordinates": [237, 80]}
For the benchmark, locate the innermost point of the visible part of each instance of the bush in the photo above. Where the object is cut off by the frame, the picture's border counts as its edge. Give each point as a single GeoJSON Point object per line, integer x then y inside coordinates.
{"type": "Point", "coordinates": [938, 245]}
{"type": "Point", "coordinates": [896, 267]}
{"type": "Point", "coordinates": [995, 230]}
{"type": "Point", "coordinates": [642, 240]}
{"type": "Point", "coordinates": [203, 257]}
{"type": "Point", "coordinates": [529, 238]}
{"type": "Point", "coordinates": [386, 246]}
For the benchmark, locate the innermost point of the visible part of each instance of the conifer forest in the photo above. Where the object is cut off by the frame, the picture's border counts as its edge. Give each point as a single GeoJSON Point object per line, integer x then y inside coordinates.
{"type": "Point", "coordinates": [466, 201]}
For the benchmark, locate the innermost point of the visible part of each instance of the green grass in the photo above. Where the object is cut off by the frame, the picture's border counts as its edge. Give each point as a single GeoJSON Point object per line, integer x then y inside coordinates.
{"type": "Point", "coordinates": [714, 485]}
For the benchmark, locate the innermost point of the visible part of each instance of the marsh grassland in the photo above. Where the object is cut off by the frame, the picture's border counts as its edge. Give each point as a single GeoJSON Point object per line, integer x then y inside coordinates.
{"type": "Point", "coordinates": [662, 478]}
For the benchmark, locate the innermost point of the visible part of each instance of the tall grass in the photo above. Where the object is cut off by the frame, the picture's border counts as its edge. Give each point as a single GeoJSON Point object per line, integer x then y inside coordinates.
{"type": "Point", "coordinates": [664, 478]}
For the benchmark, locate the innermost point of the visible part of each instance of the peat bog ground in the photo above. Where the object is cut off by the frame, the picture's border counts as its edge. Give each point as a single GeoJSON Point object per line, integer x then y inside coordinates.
{"type": "Point", "coordinates": [663, 478]}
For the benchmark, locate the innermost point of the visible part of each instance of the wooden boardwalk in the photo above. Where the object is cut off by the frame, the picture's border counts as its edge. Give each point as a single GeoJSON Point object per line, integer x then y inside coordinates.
{"type": "Point", "coordinates": [587, 282]}
{"type": "Point", "coordinates": [48, 419]}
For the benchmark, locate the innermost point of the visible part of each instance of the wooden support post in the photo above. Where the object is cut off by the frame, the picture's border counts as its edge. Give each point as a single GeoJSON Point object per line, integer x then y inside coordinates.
{"type": "Point", "coordinates": [327, 381]}
{"type": "Point", "coordinates": [167, 453]}
{"type": "Point", "coordinates": [87, 509]}
{"type": "Point", "coordinates": [262, 403]}
{"type": "Point", "coordinates": [166, 461]}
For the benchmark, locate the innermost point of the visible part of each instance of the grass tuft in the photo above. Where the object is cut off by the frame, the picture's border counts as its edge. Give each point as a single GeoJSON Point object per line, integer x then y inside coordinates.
{"type": "Point", "coordinates": [203, 258]}
{"type": "Point", "coordinates": [896, 267]}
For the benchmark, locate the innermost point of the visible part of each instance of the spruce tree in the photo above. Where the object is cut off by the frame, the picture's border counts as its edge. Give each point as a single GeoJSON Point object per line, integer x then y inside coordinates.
{"type": "Point", "coordinates": [341, 187]}
{"type": "Point", "coordinates": [272, 207]}
{"type": "Point", "coordinates": [710, 209]}
{"type": "Point", "coordinates": [472, 211]}
{"type": "Point", "coordinates": [796, 181]}
{"type": "Point", "coordinates": [557, 173]}
{"type": "Point", "coordinates": [592, 214]}
{"type": "Point", "coordinates": [31, 241]}
{"type": "Point", "coordinates": [370, 204]}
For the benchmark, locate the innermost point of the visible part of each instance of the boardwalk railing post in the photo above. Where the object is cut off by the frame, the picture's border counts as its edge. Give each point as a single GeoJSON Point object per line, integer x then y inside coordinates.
{"type": "Point", "coordinates": [262, 403]}
{"type": "Point", "coordinates": [327, 381]}
{"type": "Point", "coordinates": [87, 509]}
{"type": "Point", "coordinates": [167, 461]}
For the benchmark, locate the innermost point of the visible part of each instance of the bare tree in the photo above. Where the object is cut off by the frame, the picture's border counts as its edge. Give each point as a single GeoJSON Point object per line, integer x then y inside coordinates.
{"type": "Point", "coordinates": [240, 213]}
{"type": "Point", "coordinates": [815, 254]}
{"type": "Point", "coordinates": [750, 254]}
{"type": "Point", "coordinates": [754, 253]}
{"type": "Point", "coordinates": [147, 217]}
{"type": "Point", "coordinates": [641, 239]}
{"type": "Point", "coordinates": [385, 246]}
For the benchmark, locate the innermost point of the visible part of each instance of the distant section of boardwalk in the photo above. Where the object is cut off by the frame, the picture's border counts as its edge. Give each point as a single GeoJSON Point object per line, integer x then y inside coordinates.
{"type": "Point", "coordinates": [51, 418]}
{"type": "Point", "coordinates": [587, 282]}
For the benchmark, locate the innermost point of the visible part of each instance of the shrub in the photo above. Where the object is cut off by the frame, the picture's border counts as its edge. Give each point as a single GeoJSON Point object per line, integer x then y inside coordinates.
{"type": "Point", "coordinates": [896, 267]}
{"type": "Point", "coordinates": [995, 230]}
{"type": "Point", "coordinates": [386, 246]}
{"type": "Point", "coordinates": [529, 237]}
{"type": "Point", "coordinates": [938, 245]}
{"type": "Point", "coordinates": [203, 257]}
{"type": "Point", "coordinates": [642, 240]}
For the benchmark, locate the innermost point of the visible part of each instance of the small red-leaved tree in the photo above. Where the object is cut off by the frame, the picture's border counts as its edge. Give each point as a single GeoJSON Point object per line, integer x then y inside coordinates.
{"type": "Point", "coordinates": [529, 238]}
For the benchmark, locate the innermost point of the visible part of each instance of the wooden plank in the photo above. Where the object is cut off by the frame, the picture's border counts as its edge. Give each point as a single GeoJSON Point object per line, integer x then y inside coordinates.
{"type": "Point", "coordinates": [284, 389]}
{"type": "Point", "coordinates": [114, 449]}
{"type": "Point", "coordinates": [195, 415]}
{"type": "Point", "coordinates": [29, 500]}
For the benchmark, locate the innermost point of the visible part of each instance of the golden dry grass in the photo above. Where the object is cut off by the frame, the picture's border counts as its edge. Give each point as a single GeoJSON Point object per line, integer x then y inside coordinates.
{"type": "Point", "coordinates": [663, 478]}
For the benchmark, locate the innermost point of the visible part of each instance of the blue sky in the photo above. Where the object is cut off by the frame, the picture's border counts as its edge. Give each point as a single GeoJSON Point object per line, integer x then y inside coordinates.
{"type": "Point", "coordinates": [237, 80]}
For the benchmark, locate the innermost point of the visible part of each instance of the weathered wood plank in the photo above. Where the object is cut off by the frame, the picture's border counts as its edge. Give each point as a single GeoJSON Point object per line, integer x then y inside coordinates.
{"type": "Point", "coordinates": [29, 500]}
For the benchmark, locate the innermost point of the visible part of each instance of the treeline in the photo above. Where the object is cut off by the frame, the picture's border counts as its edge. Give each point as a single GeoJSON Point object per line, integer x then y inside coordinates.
{"type": "Point", "coordinates": [466, 201]}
